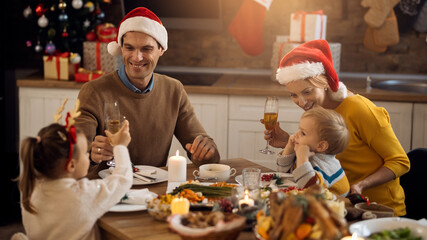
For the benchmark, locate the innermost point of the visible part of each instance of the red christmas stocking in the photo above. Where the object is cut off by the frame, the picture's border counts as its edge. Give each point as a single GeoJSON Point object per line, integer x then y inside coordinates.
{"type": "Point", "coordinates": [248, 24]}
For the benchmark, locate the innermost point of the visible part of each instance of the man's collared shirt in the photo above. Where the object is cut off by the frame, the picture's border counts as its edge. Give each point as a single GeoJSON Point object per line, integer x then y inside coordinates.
{"type": "Point", "coordinates": [128, 84]}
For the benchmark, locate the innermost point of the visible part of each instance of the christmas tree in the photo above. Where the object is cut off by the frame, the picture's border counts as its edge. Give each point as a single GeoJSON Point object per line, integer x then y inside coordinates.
{"type": "Point", "coordinates": [62, 25]}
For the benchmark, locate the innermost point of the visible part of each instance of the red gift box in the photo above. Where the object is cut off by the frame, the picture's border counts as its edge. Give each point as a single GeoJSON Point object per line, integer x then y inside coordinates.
{"type": "Point", "coordinates": [83, 75]}
{"type": "Point", "coordinates": [106, 32]}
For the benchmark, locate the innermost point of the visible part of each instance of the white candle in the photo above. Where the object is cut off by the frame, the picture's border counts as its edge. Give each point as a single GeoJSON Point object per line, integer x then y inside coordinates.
{"type": "Point", "coordinates": [353, 237]}
{"type": "Point", "coordinates": [180, 206]}
{"type": "Point", "coordinates": [177, 168]}
{"type": "Point", "coordinates": [246, 200]}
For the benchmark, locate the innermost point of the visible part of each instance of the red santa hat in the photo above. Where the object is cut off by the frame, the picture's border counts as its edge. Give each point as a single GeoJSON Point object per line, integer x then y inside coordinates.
{"type": "Point", "coordinates": [139, 20]}
{"type": "Point", "coordinates": [311, 59]}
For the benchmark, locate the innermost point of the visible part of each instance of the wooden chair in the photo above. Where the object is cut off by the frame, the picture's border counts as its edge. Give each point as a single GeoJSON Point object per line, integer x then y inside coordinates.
{"type": "Point", "coordinates": [414, 184]}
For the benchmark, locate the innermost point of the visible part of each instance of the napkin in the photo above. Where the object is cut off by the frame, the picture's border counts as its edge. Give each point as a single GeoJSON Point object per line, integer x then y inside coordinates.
{"type": "Point", "coordinates": [138, 197]}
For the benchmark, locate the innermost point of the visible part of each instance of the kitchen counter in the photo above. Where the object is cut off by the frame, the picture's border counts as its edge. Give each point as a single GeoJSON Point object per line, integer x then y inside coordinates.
{"type": "Point", "coordinates": [229, 84]}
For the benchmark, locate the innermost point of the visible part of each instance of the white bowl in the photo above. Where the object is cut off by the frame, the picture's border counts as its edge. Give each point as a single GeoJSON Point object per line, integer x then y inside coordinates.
{"type": "Point", "coordinates": [368, 227]}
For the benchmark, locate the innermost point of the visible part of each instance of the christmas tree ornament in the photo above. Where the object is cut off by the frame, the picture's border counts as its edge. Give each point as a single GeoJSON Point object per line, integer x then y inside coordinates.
{"type": "Point", "coordinates": [62, 5]}
{"type": "Point", "coordinates": [38, 48]}
{"type": "Point", "coordinates": [75, 58]}
{"type": "Point", "coordinates": [77, 4]}
{"type": "Point", "coordinates": [91, 36]}
{"type": "Point", "coordinates": [51, 33]}
{"type": "Point", "coordinates": [40, 10]}
{"type": "Point", "coordinates": [101, 15]}
{"type": "Point", "coordinates": [64, 33]}
{"type": "Point", "coordinates": [248, 25]}
{"type": "Point", "coordinates": [52, 8]}
{"type": "Point", "coordinates": [28, 43]}
{"type": "Point", "coordinates": [50, 48]}
{"type": "Point", "coordinates": [43, 21]}
{"type": "Point", "coordinates": [27, 12]}
{"type": "Point", "coordinates": [63, 17]}
{"type": "Point", "coordinates": [86, 23]}
{"type": "Point", "coordinates": [90, 6]}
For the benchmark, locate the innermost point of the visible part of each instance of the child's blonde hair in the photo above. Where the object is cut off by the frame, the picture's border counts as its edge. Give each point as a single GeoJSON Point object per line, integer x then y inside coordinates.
{"type": "Point", "coordinates": [331, 128]}
{"type": "Point", "coordinates": [43, 156]}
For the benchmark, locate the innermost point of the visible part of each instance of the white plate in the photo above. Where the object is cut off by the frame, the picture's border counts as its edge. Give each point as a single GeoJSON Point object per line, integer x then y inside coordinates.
{"type": "Point", "coordinates": [160, 175]}
{"type": "Point", "coordinates": [287, 181]}
{"type": "Point", "coordinates": [121, 207]}
{"type": "Point", "coordinates": [368, 227]}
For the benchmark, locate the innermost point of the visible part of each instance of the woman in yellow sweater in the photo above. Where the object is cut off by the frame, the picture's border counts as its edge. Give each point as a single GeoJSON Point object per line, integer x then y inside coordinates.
{"type": "Point", "coordinates": [374, 159]}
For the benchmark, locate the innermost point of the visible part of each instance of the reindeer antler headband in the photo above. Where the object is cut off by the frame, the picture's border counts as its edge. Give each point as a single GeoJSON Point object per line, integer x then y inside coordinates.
{"type": "Point", "coordinates": [69, 126]}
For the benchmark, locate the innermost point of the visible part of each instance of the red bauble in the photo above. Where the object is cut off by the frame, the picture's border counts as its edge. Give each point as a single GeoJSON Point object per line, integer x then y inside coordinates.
{"type": "Point", "coordinates": [40, 10]}
{"type": "Point", "coordinates": [64, 34]}
{"type": "Point", "coordinates": [91, 36]}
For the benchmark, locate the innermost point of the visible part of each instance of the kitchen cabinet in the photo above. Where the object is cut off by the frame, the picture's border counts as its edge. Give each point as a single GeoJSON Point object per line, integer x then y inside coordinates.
{"type": "Point", "coordinates": [38, 105]}
{"type": "Point", "coordinates": [246, 133]}
{"type": "Point", "coordinates": [401, 120]}
{"type": "Point", "coordinates": [212, 112]}
{"type": "Point", "coordinates": [419, 129]}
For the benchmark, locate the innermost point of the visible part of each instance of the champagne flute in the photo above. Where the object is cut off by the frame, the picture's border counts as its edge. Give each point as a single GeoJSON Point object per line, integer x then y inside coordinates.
{"type": "Point", "coordinates": [271, 111]}
{"type": "Point", "coordinates": [112, 120]}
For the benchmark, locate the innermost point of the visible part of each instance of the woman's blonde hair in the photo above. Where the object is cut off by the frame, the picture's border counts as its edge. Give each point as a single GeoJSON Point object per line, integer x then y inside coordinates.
{"type": "Point", "coordinates": [320, 81]}
{"type": "Point", "coordinates": [331, 128]}
{"type": "Point", "coordinates": [43, 156]}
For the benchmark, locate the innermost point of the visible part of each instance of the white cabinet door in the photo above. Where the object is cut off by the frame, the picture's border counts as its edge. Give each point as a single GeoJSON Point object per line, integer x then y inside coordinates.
{"type": "Point", "coordinates": [246, 133]}
{"type": "Point", "coordinates": [419, 132]}
{"type": "Point", "coordinates": [401, 121]}
{"type": "Point", "coordinates": [212, 112]}
{"type": "Point", "coordinates": [38, 105]}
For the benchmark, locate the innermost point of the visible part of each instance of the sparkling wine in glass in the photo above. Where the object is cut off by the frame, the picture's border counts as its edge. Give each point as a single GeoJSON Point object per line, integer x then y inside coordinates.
{"type": "Point", "coordinates": [271, 111]}
{"type": "Point", "coordinates": [112, 120]}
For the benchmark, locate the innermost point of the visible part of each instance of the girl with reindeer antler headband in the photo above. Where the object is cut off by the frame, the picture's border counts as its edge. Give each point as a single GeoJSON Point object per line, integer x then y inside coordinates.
{"type": "Point", "coordinates": [58, 202]}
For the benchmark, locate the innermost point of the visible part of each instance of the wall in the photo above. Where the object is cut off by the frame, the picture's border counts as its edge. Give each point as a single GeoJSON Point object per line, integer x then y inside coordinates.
{"type": "Point", "coordinates": [345, 25]}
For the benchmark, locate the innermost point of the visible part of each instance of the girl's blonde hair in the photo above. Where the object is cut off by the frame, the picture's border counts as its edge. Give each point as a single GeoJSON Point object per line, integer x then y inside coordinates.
{"type": "Point", "coordinates": [331, 128]}
{"type": "Point", "coordinates": [44, 156]}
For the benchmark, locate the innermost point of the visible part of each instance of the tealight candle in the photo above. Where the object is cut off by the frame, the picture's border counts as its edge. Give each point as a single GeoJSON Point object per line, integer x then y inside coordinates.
{"type": "Point", "coordinates": [353, 237]}
{"type": "Point", "coordinates": [246, 201]}
{"type": "Point", "coordinates": [177, 168]}
{"type": "Point", "coordinates": [180, 206]}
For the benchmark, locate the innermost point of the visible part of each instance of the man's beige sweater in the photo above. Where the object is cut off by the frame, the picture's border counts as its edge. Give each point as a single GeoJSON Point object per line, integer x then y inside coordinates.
{"type": "Point", "coordinates": [154, 117]}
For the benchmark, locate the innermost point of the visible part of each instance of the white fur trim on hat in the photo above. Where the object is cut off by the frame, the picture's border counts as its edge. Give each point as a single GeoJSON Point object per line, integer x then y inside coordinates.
{"type": "Point", "coordinates": [140, 24]}
{"type": "Point", "coordinates": [341, 93]}
{"type": "Point", "coordinates": [114, 48]}
{"type": "Point", "coordinates": [299, 71]}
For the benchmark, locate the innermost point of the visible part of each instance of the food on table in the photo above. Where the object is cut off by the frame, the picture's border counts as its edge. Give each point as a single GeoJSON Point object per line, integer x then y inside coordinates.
{"type": "Point", "coordinates": [399, 233]}
{"type": "Point", "coordinates": [207, 225]}
{"type": "Point", "coordinates": [300, 215]}
{"type": "Point", "coordinates": [192, 196]}
{"type": "Point", "coordinates": [160, 207]}
{"type": "Point", "coordinates": [207, 191]}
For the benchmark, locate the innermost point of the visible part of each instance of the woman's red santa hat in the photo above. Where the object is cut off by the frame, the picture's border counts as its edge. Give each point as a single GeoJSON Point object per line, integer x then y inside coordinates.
{"type": "Point", "coordinates": [139, 20]}
{"type": "Point", "coordinates": [311, 59]}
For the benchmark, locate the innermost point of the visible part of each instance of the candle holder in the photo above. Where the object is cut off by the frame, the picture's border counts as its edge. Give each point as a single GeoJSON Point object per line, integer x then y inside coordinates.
{"type": "Point", "coordinates": [247, 203]}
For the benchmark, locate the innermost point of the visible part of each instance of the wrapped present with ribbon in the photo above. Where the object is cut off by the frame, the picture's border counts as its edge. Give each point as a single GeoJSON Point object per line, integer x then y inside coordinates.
{"type": "Point", "coordinates": [58, 66]}
{"type": "Point", "coordinates": [97, 58]}
{"type": "Point", "coordinates": [307, 26]}
{"type": "Point", "coordinates": [84, 75]}
{"type": "Point", "coordinates": [106, 32]}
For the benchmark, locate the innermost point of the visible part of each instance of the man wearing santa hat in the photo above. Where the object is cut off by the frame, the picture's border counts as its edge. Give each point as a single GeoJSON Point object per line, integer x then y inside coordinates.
{"type": "Point", "coordinates": [156, 106]}
{"type": "Point", "coordinates": [374, 159]}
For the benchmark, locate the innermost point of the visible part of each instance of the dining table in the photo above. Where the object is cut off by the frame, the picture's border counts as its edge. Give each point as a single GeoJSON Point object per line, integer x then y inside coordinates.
{"type": "Point", "coordinates": [140, 225]}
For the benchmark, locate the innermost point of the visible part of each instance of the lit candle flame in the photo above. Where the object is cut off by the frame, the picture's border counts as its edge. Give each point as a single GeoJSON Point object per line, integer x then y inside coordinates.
{"type": "Point", "coordinates": [354, 236]}
{"type": "Point", "coordinates": [177, 153]}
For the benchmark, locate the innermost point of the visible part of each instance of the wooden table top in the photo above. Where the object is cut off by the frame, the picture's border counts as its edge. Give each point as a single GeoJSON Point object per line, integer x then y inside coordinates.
{"type": "Point", "coordinates": [140, 225]}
